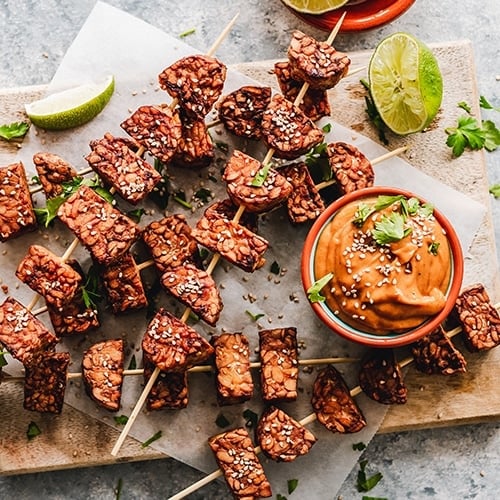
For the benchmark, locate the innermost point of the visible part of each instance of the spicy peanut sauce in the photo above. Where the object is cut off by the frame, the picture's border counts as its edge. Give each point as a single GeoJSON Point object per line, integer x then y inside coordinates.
{"type": "Point", "coordinates": [383, 288]}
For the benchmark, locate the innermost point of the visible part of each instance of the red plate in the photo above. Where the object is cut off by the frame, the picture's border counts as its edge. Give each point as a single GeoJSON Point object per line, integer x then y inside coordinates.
{"type": "Point", "coordinates": [360, 16]}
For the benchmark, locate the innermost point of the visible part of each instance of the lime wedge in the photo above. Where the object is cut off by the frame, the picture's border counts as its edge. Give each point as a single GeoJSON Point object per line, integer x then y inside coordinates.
{"type": "Point", "coordinates": [405, 83]}
{"type": "Point", "coordinates": [314, 6]}
{"type": "Point", "coordinates": [73, 107]}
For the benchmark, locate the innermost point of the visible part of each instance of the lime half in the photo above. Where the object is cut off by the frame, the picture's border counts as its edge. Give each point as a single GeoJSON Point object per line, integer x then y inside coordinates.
{"type": "Point", "coordinates": [73, 107]}
{"type": "Point", "coordinates": [314, 6]}
{"type": "Point", "coordinates": [405, 83]}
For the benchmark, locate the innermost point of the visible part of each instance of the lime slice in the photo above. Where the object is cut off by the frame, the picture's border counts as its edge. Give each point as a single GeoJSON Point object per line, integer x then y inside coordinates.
{"type": "Point", "coordinates": [73, 107]}
{"type": "Point", "coordinates": [314, 6]}
{"type": "Point", "coordinates": [405, 83]}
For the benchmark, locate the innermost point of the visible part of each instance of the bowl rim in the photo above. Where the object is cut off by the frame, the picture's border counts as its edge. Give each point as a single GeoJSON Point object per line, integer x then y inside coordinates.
{"type": "Point", "coordinates": [372, 340]}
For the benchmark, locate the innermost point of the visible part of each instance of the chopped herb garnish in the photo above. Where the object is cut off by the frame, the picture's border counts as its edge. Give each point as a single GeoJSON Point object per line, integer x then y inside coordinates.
{"type": "Point", "coordinates": [118, 489]}
{"type": "Point", "coordinates": [152, 439]}
{"type": "Point", "coordinates": [222, 146]}
{"type": "Point", "coordinates": [90, 290]}
{"type": "Point", "coordinates": [47, 214]}
{"type": "Point", "coordinates": [222, 421]}
{"type": "Point", "coordinates": [327, 128]}
{"type": "Point", "coordinates": [483, 103]}
{"type": "Point", "coordinates": [254, 317]}
{"type": "Point", "coordinates": [279, 496]}
{"type": "Point", "coordinates": [275, 268]}
{"type": "Point", "coordinates": [251, 418]}
{"type": "Point", "coordinates": [3, 361]}
{"type": "Point", "coordinates": [495, 190]}
{"type": "Point", "coordinates": [121, 419]}
{"type": "Point", "coordinates": [373, 114]}
{"type": "Point", "coordinates": [188, 32]}
{"type": "Point", "coordinates": [180, 197]}
{"type": "Point", "coordinates": [362, 213]}
{"type": "Point", "coordinates": [413, 205]}
{"type": "Point", "coordinates": [136, 214]}
{"type": "Point", "coordinates": [314, 291]}
{"type": "Point", "coordinates": [359, 446]}
{"type": "Point", "coordinates": [317, 162]}
{"type": "Point", "coordinates": [35, 180]}
{"type": "Point", "coordinates": [366, 497]}
{"type": "Point", "coordinates": [292, 485]}
{"type": "Point", "coordinates": [365, 483]}
{"type": "Point", "coordinates": [384, 201]}
{"type": "Point", "coordinates": [465, 106]}
{"type": "Point", "coordinates": [433, 248]}
{"type": "Point", "coordinates": [390, 229]}
{"type": "Point", "coordinates": [14, 130]}
{"type": "Point", "coordinates": [133, 363]}
{"type": "Point", "coordinates": [204, 195]}
{"type": "Point", "coordinates": [33, 430]}
{"type": "Point", "coordinates": [261, 175]}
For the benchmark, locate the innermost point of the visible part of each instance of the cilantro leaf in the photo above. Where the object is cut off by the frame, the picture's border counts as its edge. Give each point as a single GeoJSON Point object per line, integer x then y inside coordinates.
{"type": "Point", "coordinates": [495, 190]}
{"type": "Point", "coordinates": [133, 363]}
{"type": "Point", "coordinates": [90, 290]}
{"type": "Point", "coordinates": [365, 483]}
{"type": "Point", "coordinates": [358, 446]}
{"type": "Point", "coordinates": [275, 268]}
{"type": "Point", "coordinates": [13, 130]}
{"type": "Point", "coordinates": [121, 419]}
{"type": "Point", "coordinates": [292, 485]}
{"type": "Point", "coordinates": [118, 489]}
{"type": "Point", "coordinates": [318, 164]}
{"type": "Point", "coordinates": [47, 214]}
{"type": "Point", "coordinates": [491, 135]}
{"type": "Point", "coordinates": [222, 421]}
{"type": "Point", "coordinates": [467, 133]}
{"type": "Point", "coordinates": [251, 418]}
{"type": "Point", "coordinates": [261, 176]}
{"type": "Point", "coordinates": [390, 229]}
{"type": "Point", "coordinates": [254, 317]}
{"type": "Point", "coordinates": [433, 248]}
{"type": "Point", "coordinates": [3, 361]}
{"type": "Point", "coordinates": [362, 213]}
{"type": "Point", "coordinates": [180, 197]}
{"type": "Point", "coordinates": [33, 430]}
{"type": "Point", "coordinates": [483, 103]}
{"type": "Point", "coordinates": [204, 195]}
{"type": "Point", "coordinates": [373, 114]}
{"type": "Point", "coordinates": [327, 128]}
{"type": "Point", "coordinates": [136, 214]}
{"type": "Point", "coordinates": [314, 291]}
{"type": "Point", "coordinates": [152, 439]}
{"type": "Point", "coordinates": [464, 106]}
{"type": "Point", "coordinates": [386, 200]}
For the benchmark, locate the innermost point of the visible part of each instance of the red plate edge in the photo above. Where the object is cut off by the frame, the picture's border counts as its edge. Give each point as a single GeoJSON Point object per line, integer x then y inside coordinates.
{"type": "Point", "coordinates": [364, 16]}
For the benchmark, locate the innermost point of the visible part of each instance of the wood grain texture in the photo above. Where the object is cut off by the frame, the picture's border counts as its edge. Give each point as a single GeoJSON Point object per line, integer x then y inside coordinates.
{"type": "Point", "coordinates": [74, 439]}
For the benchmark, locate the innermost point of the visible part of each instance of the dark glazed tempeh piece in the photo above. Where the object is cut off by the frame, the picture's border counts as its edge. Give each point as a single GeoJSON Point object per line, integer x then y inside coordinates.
{"type": "Point", "coordinates": [281, 437]}
{"type": "Point", "coordinates": [102, 368]}
{"type": "Point", "coordinates": [53, 171]}
{"type": "Point", "coordinates": [45, 382]}
{"type": "Point", "coordinates": [240, 173]}
{"type": "Point", "coordinates": [16, 208]}
{"type": "Point", "coordinates": [316, 63]}
{"type": "Point", "coordinates": [226, 210]}
{"type": "Point", "coordinates": [102, 229]}
{"type": "Point", "coordinates": [479, 318]}
{"type": "Point", "coordinates": [333, 405]}
{"type": "Point", "coordinates": [380, 377]}
{"type": "Point", "coordinates": [232, 363]}
{"type": "Point", "coordinates": [172, 345]}
{"type": "Point", "coordinates": [22, 334]}
{"type": "Point", "coordinates": [279, 369]}
{"type": "Point", "coordinates": [240, 465]}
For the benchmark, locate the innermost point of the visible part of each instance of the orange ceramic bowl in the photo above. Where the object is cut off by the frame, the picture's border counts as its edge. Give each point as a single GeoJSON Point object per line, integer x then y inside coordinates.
{"type": "Point", "coordinates": [361, 16]}
{"type": "Point", "coordinates": [355, 334]}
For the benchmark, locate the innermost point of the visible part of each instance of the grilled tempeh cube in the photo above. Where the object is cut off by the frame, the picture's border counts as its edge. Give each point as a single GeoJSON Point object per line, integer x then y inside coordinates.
{"type": "Point", "coordinates": [226, 210]}
{"type": "Point", "coordinates": [241, 111]}
{"type": "Point", "coordinates": [47, 274]}
{"type": "Point", "coordinates": [333, 405]}
{"type": "Point", "coordinates": [102, 369]}
{"type": "Point", "coordinates": [16, 207]}
{"type": "Point", "coordinates": [305, 202]}
{"type": "Point", "coordinates": [170, 242]}
{"type": "Point", "coordinates": [123, 285]}
{"type": "Point", "coordinates": [281, 437]}
{"type": "Point", "coordinates": [233, 241]}
{"type": "Point", "coordinates": [232, 362]}
{"type": "Point", "coordinates": [279, 368]}
{"type": "Point", "coordinates": [479, 318]}
{"type": "Point", "coordinates": [53, 171]}
{"type": "Point", "coordinates": [45, 382]}
{"type": "Point", "coordinates": [316, 63]}
{"type": "Point", "coordinates": [170, 390]}
{"type": "Point", "coordinates": [196, 82]}
{"type": "Point", "coordinates": [287, 130]}
{"type": "Point", "coordinates": [195, 148]}
{"type": "Point", "coordinates": [350, 167]}
{"type": "Point", "coordinates": [196, 289]}
{"type": "Point", "coordinates": [156, 130]}
{"type": "Point", "coordinates": [240, 173]}
{"type": "Point", "coordinates": [380, 377]}
{"type": "Point", "coordinates": [315, 103]}
{"type": "Point", "coordinates": [102, 229]}
{"type": "Point", "coordinates": [172, 345]}
{"type": "Point", "coordinates": [118, 165]}
{"type": "Point", "coordinates": [240, 465]}
{"type": "Point", "coordinates": [22, 334]}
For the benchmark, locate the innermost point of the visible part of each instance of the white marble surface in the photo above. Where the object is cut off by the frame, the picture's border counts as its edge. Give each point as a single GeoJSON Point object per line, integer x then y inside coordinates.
{"type": "Point", "coordinates": [454, 463]}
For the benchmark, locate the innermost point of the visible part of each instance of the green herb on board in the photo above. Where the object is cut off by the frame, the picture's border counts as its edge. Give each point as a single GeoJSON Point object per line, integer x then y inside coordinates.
{"type": "Point", "coordinates": [13, 130]}
{"type": "Point", "coordinates": [152, 439]}
{"type": "Point", "coordinates": [33, 430]}
{"type": "Point", "coordinates": [314, 291]}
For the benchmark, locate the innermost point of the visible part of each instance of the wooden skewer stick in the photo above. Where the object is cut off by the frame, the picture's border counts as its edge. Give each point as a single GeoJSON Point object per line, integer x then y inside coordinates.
{"type": "Point", "coordinates": [142, 398]}
{"type": "Point", "coordinates": [305, 421]}
{"type": "Point", "coordinates": [210, 368]}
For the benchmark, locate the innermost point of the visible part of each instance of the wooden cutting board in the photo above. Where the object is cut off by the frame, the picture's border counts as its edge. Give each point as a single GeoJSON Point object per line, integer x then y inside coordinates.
{"type": "Point", "coordinates": [74, 439]}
